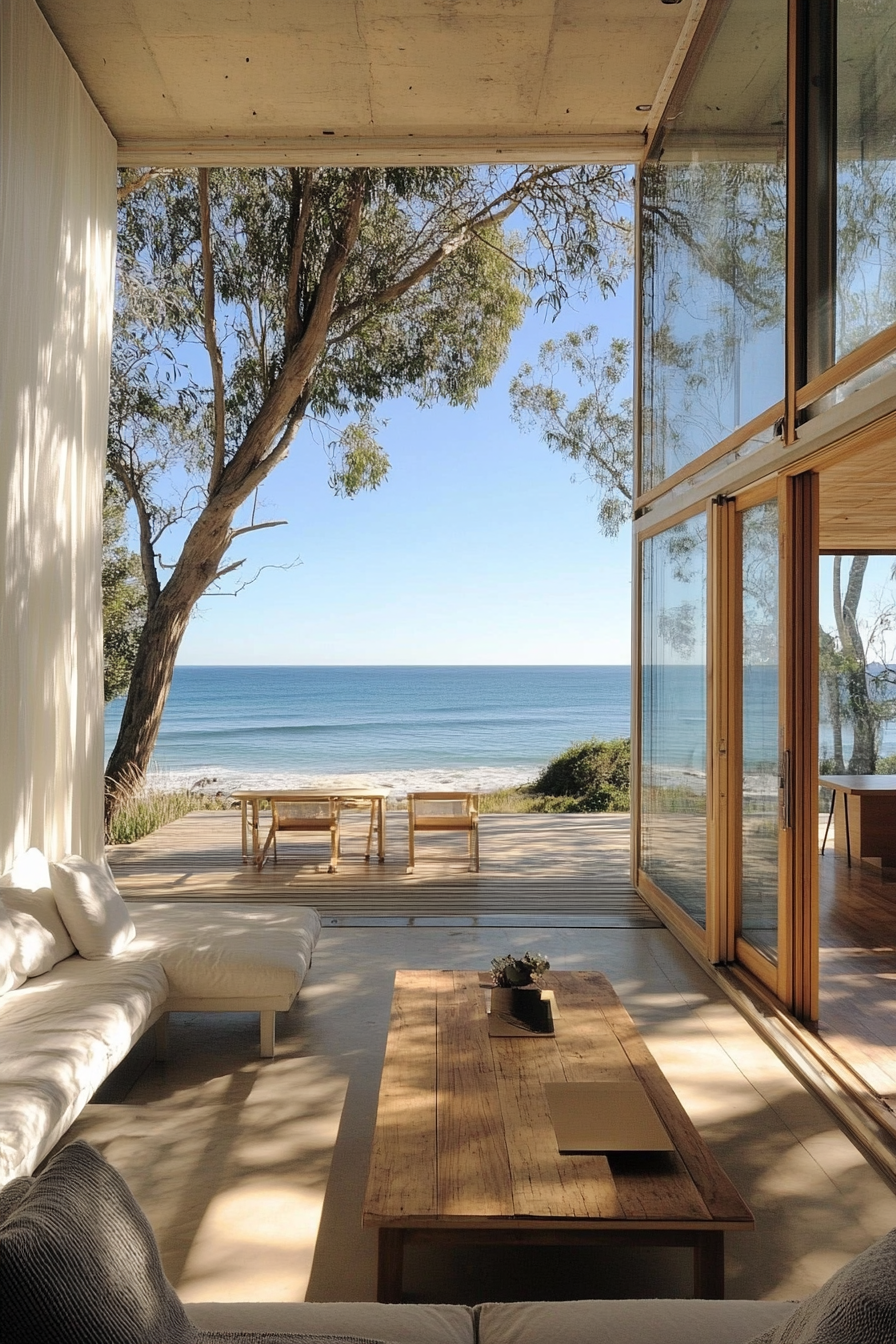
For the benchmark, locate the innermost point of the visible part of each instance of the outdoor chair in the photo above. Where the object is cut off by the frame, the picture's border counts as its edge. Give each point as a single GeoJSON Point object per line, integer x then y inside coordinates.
{"type": "Point", "coordinates": [444, 812]}
{"type": "Point", "coordinates": [310, 816]}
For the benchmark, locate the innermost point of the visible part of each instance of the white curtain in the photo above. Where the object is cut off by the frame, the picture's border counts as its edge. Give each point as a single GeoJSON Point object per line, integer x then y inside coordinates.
{"type": "Point", "coordinates": [57, 248]}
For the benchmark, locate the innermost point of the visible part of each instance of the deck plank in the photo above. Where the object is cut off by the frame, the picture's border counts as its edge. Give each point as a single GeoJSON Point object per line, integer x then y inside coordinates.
{"type": "Point", "coordinates": [550, 866]}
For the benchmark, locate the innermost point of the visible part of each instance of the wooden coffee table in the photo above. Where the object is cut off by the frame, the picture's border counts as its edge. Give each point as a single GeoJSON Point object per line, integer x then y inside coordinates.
{"type": "Point", "coordinates": [464, 1149]}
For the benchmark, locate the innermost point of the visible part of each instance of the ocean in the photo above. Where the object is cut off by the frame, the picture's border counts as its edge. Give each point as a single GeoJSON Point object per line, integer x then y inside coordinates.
{"type": "Point", "coordinates": [406, 727]}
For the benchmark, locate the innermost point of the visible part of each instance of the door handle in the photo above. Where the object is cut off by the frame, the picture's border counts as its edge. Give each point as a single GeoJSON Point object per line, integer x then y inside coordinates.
{"type": "Point", "coordinates": [785, 790]}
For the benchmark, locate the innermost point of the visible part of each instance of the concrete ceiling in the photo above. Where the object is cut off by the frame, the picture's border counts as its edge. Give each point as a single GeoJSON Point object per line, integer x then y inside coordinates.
{"type": "Point", "coordinates": [344, 81]}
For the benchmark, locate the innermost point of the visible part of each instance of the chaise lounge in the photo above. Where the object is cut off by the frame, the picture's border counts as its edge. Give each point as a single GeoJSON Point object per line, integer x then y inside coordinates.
{"type": "Point", "coordinates": [83, 976]}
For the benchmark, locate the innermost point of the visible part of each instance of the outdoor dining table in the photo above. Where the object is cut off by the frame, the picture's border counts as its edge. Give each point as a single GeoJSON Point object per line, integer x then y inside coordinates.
{"type": "Point", "coordinates": [250, 801]}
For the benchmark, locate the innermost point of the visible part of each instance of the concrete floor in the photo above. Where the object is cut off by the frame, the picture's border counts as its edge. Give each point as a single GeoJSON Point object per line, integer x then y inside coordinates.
{"type": "Point", "coordinates": [252, 1172]}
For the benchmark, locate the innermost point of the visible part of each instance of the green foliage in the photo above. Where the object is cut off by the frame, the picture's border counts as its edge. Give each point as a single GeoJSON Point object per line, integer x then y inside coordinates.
{"type": "Point", "coordinates": [597, 431]}
{"type": "Point", "coordinates": [143, 813]}
{"type": "Point", "coordinates": [124, 598]}
{"type": "Point", "coordinates": [357, 461]}
{"type": "Point", "coordinates": [509, 972]}
{"type": "Point", "coordinates": [522, 799]}
{"type": "Point", "coordinates": [596, 774]}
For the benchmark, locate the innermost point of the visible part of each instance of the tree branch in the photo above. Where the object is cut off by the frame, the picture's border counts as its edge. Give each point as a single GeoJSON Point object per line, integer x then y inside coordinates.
{"type": "Point", "coordinates": [228, 569]}
{"type": "Point", "coordinates": [428, 265]}
{"type": "Point", "coordinates": [128, 188]}
{"type": "Point", "coordinates": [144, 528]}
{"type": "Point", "coordinates": [281, 447]}
{"type": "Point", "coordinates": [208, 323]}
{"type": "Point", "coordinates": [298, 224]}
{"type": "Point", "coordinates": [256, 527]}
{"type": "Point", "coordinates": [252, 461]}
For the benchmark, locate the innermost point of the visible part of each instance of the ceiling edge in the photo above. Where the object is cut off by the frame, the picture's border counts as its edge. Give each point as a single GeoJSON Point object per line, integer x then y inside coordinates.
{"type": "Point", "coordinates": [379, 151]}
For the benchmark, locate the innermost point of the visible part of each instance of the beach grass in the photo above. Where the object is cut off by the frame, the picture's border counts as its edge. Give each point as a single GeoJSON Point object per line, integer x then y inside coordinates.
{"type": "Point", "coordinates": [146, 812]}
{"type": "Point", "coordinates": [590, 776]}
{"type": "Point", "coordinates": [523, 799]}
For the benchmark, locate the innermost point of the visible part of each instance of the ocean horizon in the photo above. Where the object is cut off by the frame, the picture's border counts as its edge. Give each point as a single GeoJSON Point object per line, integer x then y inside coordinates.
{"type": "Point", "coordinates": [481, 727]}
{"type": "Point", "coordinates": [408, 727]}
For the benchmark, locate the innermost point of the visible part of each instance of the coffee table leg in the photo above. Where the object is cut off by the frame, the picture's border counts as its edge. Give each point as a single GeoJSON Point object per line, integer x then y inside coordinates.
{"type": "Point", "coordinates": [390, 1264]}
{"type": "Point", "coordinates": [709, 1264]}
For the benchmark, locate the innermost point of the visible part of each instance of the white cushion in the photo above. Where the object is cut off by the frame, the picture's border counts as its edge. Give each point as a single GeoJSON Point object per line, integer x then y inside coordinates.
{"type": "Point", "coordinates": [637, 1321]}
{"type": "Point", "coordinates": [9, 977]}
{"type": "Point", "coordinates": [60, 1036]}
{"type": "Point", "coordinates": [42, 938]}
{"type": "Point", "coordinates": [91, 907]}
{"type": "Point", "coordinates": [408, 1323]}
{"type": "Point", "coordinates": [212, 951]}
{"type": "Point", "coordinates": [29, 871]}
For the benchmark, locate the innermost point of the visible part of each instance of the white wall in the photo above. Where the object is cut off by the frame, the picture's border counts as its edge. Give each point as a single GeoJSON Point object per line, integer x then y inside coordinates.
{"type": "Point", "coordinates": [57, 246]}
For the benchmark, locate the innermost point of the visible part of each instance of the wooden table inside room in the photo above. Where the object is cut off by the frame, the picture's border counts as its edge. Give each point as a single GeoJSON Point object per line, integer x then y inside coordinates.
{"type": "Point", "coordinates": [868, 816]}
{"type": "Point", "coordinates": [464, 1150]}
{"type": "Point", "coordinates": [250, 801]}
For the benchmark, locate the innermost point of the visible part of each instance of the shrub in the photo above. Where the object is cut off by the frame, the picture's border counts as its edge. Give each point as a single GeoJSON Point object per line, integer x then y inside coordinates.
{"type": "Point", "coordinates": [596, 774]}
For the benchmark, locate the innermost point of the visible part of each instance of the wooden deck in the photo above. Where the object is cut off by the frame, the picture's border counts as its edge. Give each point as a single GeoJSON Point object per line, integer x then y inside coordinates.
{"type": "Point", "coordinates": [555, 870]}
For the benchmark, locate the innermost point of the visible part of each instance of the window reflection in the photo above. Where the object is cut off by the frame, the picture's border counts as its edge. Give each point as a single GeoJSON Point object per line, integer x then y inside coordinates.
{"type": "Point", "coordinates": [713, 246]}
{"type": "Point", "coordinates": [759, 796]}
{"type": "Point", "coordinates": [866, 171]}
{"type": "Point", "coordinates": [673, 714]}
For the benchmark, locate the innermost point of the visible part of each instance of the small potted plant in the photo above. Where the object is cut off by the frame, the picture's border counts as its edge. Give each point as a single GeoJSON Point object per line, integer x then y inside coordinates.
{"type": "Point", "coordinates": [514, 982]}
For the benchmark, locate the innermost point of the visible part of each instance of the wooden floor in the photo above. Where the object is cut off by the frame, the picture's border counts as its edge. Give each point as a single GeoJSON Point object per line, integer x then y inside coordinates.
{"type": "Point", "coordinates": [858, 970]}
{"type": "Point", "coordinates": [562, 869]}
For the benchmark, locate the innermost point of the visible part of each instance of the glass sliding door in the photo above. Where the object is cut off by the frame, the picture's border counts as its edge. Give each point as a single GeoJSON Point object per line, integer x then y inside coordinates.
{"type": "Point", "coordinates": [760, 753]}
{"type": "Point", "coordinates": [673, 714]}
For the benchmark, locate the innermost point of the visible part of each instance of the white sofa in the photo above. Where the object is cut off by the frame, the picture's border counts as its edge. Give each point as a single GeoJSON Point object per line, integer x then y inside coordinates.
{"type": "Point", "coordinates": [642, 1321]}
{"type": "Point", "coordinates": [62, 1032]}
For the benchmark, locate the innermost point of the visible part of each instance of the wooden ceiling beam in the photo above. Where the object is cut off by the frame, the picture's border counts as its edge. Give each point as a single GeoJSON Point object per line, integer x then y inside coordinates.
{"type": "Point", "coordinates": [335, 151]}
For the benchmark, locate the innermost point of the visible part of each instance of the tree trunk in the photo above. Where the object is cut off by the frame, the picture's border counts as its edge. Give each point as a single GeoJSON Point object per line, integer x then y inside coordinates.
{"type": "Point", "coordinates": [831, 684]}
{"type": "Point", "coordinates": [166, 625]}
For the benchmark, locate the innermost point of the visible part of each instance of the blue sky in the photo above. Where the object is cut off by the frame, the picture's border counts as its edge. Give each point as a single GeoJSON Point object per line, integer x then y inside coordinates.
{"type": "Point", "coordinates": [478, 549]}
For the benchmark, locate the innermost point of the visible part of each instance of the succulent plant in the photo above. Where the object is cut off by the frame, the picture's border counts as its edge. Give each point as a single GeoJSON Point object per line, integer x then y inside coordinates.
{"type": "Point", "coordinates": [517, 972]}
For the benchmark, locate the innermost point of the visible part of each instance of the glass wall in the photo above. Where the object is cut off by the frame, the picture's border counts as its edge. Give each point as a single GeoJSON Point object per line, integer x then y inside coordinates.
{"type": "Point", "coordinates": [713, 246]}
{"type": "Point", "coordinates": [866, 171]}
{"type": "Point", "coordinates": [759, 699]}
{"type": "Point", "coordinates": [673, 714]}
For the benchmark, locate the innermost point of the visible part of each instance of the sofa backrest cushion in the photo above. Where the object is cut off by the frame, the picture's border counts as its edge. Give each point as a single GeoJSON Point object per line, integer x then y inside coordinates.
{"type": "Point", "coordinates": [80, 1262]}
{"type": "Point", "coordinates": [857, 1305]}
{"type": "Point", "coordinates": [91, 907]}
{"type": "Point", "coordinates": [10, 978]}
{"type": "Point", "coordinates": [41, 937]}
{"type": "Point", "coordinates": [29, 870]}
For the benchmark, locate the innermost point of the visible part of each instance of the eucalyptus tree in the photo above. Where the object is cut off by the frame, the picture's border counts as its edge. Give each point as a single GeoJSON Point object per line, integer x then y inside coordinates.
{"type": "Point", "coordinates": [310, 294]}
{"type": "Point", "coordinates": [594, 431]}
{"type": "Point", "coordinates": [124, 597]}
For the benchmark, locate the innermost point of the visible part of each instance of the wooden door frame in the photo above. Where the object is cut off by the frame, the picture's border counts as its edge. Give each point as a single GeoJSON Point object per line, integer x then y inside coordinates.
{"type": "Point", "coordinates": [769, 973]}
{"type": "Point", "coordinates": [800, 494]}
{"type": "Point", "coordinates": [793, 978]}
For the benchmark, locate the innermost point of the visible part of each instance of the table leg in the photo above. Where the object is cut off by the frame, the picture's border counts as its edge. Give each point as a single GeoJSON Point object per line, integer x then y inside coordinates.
{"type": "Point", "coordinates": [381, 828]}
{"type": "Point", "coordinates": [370, 830]}
{"type": "Point", "coordinates": [244, 828]}
{"type": "Point", "coordinates": [830, 819]}
{"type": "Point", "coordinates": [709, 1264]}
{"type": "Point", "coordinates": [846, 829]}
{"type": "Point", "coordinates": [390, 1264]}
